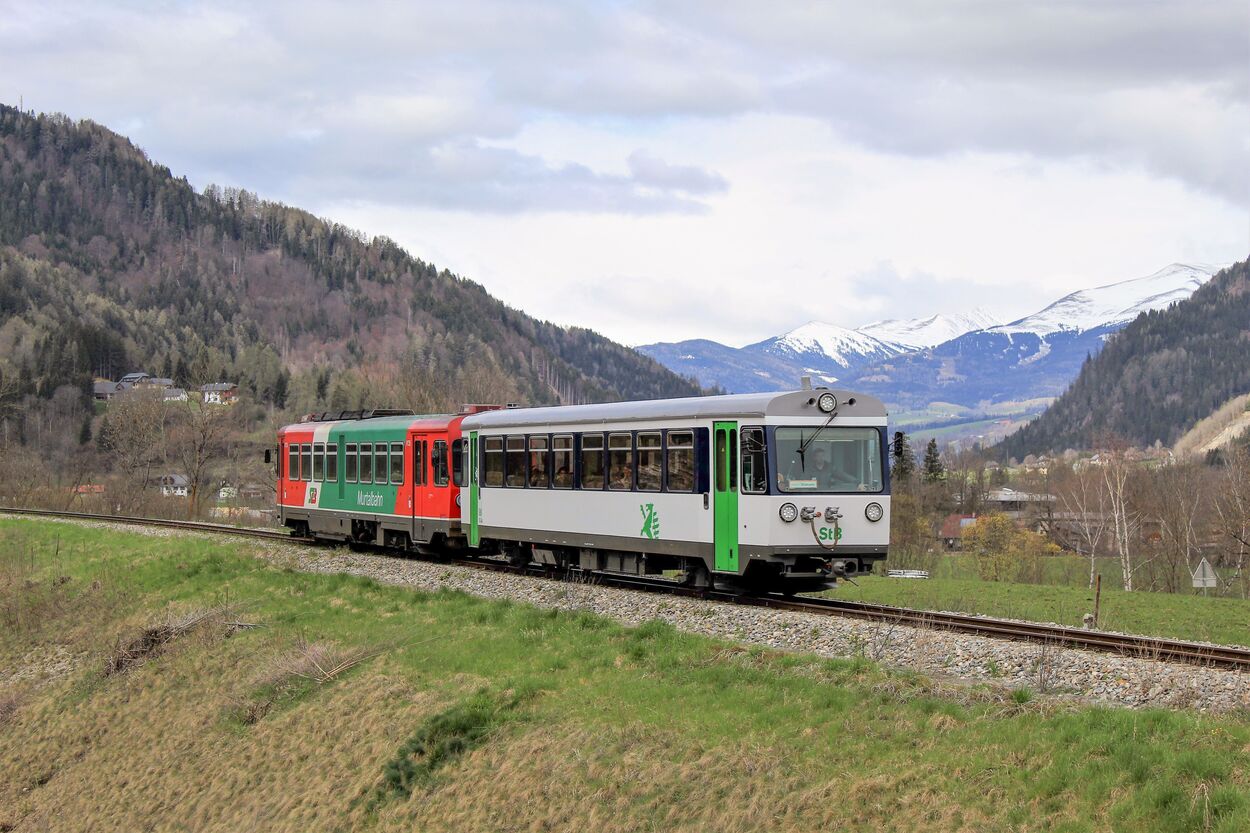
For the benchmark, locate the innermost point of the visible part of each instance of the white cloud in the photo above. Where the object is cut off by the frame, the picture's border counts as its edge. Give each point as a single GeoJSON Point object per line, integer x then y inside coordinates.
{"type": "Point", "coordinates": [815, 227]}
{"type": "Point", "coordinates": [717, 168]}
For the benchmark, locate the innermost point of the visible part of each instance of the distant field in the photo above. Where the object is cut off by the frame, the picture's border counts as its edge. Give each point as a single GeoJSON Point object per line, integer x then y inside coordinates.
{"type": "Point", "coordinates": [947, 422]}
{"type": "Point", "coordinates": [1159, 614]}
{"type": "Point", "coordinates": [450, 712]}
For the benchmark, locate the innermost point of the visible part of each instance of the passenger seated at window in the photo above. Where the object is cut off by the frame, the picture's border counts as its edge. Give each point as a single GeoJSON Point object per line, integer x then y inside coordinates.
{"type": "Point", "coordinates": [564, 477]}
{"type": "Point", "coordinates": [538, 477]}
{"type": "Point", "coordinates": [623, 477]}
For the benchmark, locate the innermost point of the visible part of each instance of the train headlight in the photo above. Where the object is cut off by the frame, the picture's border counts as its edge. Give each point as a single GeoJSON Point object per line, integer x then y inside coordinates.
{"type": "Point", "coordinates": [457, 498]}
{"type": "Point", "coordinates": [827, 402]}
{"type": "Point", "coordinates": [788, 512]}
{"type": "Point", "coordinates": [874, 512]}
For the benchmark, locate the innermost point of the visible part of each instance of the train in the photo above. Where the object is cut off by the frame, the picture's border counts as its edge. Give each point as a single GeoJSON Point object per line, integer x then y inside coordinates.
{"type": "Point", "coordinates": [766, 492]}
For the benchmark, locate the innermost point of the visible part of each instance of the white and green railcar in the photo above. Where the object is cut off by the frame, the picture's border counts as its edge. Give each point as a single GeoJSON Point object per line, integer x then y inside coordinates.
{"type": "Point", "coordinates": [769, 491]}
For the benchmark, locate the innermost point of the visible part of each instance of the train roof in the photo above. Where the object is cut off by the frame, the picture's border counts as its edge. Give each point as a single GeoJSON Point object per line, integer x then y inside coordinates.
{"type": "Point", "coordinates": [395, 423]}
{"type": "Point", "coordinates": [748, 405]}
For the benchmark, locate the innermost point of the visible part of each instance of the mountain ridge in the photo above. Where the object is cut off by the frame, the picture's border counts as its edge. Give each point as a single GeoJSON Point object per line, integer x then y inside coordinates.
{"type": "Point", "coordinates": [1031, 358]}
{"type": "Point", "coordinates": [1156, 377]}
{"type": "Point", "coordinates": [110, 263]}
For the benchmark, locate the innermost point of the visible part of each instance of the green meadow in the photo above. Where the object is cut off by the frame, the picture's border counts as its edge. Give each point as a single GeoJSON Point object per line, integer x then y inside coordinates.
{"type": "Point", "coordinates": [174, 683]}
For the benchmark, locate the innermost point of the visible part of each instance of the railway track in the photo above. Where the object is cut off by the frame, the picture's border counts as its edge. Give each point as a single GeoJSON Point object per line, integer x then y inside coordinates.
{"type": "Point", "coordinates": [1141, 647]}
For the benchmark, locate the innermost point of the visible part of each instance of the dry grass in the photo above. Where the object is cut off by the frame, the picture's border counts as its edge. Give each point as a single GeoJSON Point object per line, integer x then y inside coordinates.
{"type": "Point", "coordinates": [141, 758]}
{"type": "Point", "coordinates": [10, 701]}
{"type": "Point", "coordinates": [639, 778]}
{"type": "Point", "coordinates": [151, 640]}
{"type": "Point", "coordinates": [294, 673]}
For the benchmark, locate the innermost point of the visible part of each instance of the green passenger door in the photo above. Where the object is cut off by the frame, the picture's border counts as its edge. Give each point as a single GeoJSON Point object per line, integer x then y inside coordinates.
{"type": "Point", "coordinates": [725, 495]}
{"type": "Point", "coordinates": [474, 483]}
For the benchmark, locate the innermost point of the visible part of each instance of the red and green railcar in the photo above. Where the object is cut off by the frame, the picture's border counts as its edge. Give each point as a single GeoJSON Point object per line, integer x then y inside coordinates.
{"type": "Point", "coordinates": [375, 477]}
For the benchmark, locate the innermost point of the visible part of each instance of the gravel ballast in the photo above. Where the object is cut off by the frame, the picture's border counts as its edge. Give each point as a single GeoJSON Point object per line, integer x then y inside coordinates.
{"type": "Point", "coordinates": [1043, 669]}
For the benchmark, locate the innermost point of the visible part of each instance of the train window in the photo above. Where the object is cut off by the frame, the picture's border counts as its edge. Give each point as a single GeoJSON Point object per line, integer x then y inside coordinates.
{"type": "Point", "coordinates": [733, 459]}
{"type": "Point", "coordinates": [438, 458]}
{"type": "Point", "coordinates": [754, 468]}
{"type": "Point", "coordinates": [515, 462]}
{"type": "Point", "coordinates": [833, 460]}
{"type": "Point", "coordinates": [349, 463]}
{"type": "Point", "coordinates": [459, 462]}
{"type": "Point", "coordinates": [562, 461]}
{"type": "Point", "coordinates": [319, 461]}
{"type": "Point", "coordinates": [366, 462]}
{"type": "Point", "coordinates": [621, 462]}
{"type": "Point", "coordinates": [539, 463]}
{"type": "Point", "coordinates": [649, 454]}
{"type": "Point", "coordinates": [332, 462]}
{"type": "Point", "coordinates": [418, 462]}
{"type": "Point", "coordinates": [379, 462]}
{"type": "Point", "coordinates": [397, 463]}
{"type": "Point", "coordinates": [593, 463]}
{"type": "Point", "coordinates": [292, 461]}
{"type": "Point", "coordinates": [492, 461]}
{"type": "Point", "coordinates": [680, 461]}
{"type": "Point", "coordinates": [305, 461]}
{"type": "Point", "coordinates": [722, 454]}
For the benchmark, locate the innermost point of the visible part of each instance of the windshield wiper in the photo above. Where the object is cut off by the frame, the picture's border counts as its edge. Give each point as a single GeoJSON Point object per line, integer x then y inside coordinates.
{"type": "Point", "coordinates": [807, 444]}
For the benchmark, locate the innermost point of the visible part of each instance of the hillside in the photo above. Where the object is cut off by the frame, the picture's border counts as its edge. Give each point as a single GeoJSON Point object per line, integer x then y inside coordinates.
{"type": "Point", "coordinates": [109, 263]}
{"type": "Point", "coordinates": [1224, 428]}
{"type": "Point", "coordinates": [130, 699]}
{"type": "Point", "coordinates": [1157, 377]}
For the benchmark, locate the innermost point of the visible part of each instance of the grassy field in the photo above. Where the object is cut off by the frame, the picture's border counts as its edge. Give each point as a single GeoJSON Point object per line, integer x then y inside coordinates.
{"type": "Point", "coordinates": [1160, 614]}
{"type": "Point", "coordinates": [175, 684]}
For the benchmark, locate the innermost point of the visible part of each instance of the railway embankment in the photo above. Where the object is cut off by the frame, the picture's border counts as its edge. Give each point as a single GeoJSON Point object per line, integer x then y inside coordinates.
{"type": "Point", "coordinates": [174, 681]}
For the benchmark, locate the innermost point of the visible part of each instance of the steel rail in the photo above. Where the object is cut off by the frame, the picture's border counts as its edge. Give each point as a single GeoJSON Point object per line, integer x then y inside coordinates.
{"type": "Point", "coordinates": [1130, 645]}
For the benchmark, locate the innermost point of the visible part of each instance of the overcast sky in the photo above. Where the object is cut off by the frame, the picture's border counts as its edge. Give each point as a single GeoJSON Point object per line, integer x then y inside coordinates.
{"type": "Point", "coordinates": [719, 169]}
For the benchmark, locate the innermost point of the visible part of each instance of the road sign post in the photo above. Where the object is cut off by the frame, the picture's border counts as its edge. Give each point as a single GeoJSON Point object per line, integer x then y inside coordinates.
{"type": "Point", "coordinates": [1204, 576]}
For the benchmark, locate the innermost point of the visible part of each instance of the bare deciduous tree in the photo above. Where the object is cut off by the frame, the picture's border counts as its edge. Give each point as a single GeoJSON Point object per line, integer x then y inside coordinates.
{"type": "Point", "coordinates": [134, 436]}
{"type": "Point", "coordinates": [1115, 469]}
{"type": "Point", "coordinates": [1084, 502]}
{"type": "Point", "coordinates": [1232, 506]}
{"type": "Point", "coordinates": [196, 438]}
{"type": "Point", "coordinates": [1174, 499]}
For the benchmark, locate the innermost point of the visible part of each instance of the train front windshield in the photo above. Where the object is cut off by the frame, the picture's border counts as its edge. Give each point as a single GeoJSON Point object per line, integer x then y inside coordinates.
{"type": "Point", "coordinates": [828, 460]}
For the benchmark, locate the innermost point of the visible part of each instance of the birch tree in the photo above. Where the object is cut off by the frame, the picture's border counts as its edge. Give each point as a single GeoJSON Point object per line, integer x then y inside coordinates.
{"type": "Point", "coordinates": [1116, 469]}
{"type": "Point", "coordinates": [1084, 501]}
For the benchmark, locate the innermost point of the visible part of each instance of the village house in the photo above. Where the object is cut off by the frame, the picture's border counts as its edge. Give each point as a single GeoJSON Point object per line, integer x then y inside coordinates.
{"type": "Point", "coordinates": [105, 389]}
{"type": "Point", "coordinates": [219, 393]}
{"type": "Point", "coordinates": [174, 485]}
{"type": "Point", "coordinates": [951, 534]}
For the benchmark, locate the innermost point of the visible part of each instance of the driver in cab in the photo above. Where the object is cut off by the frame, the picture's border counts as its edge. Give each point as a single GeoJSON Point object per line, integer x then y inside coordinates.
{"type": "Point", "coordinates": [823, 473]}
{"type": "Point", "coordinates": [827, 478]}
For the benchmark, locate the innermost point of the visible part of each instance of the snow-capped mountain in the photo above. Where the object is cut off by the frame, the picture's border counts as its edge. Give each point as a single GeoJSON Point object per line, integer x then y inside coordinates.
{"type": "Point", "coordinates": [1116, 303]}
{"type": "Point", "coordinates": [966, 358]}
{"type": "Point", "coordinates": [1032, 358]}
{"type": "Point", "coordinates": [918, 333]}
{"type": "Point", "coordinates": [825, 350]}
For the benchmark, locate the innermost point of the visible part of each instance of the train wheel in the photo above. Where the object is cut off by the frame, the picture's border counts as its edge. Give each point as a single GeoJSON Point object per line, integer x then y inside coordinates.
{"type": "Point", "coordinates": [697, 576]}
{"type": "Point", "coordinates": [518, 556]}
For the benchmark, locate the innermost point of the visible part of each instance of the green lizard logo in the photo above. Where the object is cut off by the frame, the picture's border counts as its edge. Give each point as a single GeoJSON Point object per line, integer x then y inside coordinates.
{"type": "Point", "coordinates": [650, 520]}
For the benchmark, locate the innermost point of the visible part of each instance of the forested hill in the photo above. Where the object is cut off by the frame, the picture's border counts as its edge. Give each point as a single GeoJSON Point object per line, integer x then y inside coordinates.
{"type": "Point", "coordinates": [1156, 377]}
{"type": "Point", "coordinates": [109, 263]}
